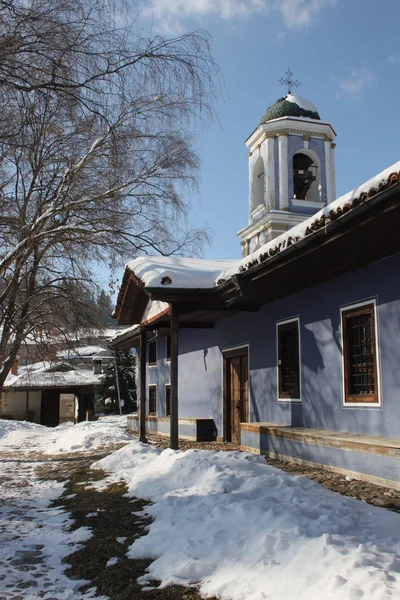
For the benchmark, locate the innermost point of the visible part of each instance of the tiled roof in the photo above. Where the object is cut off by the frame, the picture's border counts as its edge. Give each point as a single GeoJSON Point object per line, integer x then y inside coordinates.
{"type": "Point", "coordinates": [284, 108]}
{"type": "Point", "coordinates": [330, 213]}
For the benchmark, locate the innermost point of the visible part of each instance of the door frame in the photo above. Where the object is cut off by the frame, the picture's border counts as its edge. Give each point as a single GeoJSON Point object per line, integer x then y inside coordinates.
{"type": "Point", "coordinates": [227, 353]}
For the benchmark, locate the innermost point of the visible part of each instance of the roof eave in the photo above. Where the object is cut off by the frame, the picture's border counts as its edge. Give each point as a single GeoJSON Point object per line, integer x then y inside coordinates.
{"type": "Point", "coordinates": [380, 213]}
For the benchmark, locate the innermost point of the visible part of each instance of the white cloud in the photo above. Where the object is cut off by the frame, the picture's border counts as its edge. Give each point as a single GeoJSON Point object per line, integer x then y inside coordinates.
{"type": "Point", "coordinates": [355, 83]}
{"type": "Point", "coordinates": [301, 13]}
{"type": "Point", "coordinates": [393, 60]}
{"type": "Point", "coordinates": [178, 10]}
{"type": "Point", "coordinates": [295, 13]}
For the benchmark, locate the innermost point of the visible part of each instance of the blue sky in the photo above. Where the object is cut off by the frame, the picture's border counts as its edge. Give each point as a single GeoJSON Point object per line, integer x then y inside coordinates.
{"type": "Point", "coordinates": [345, 53]}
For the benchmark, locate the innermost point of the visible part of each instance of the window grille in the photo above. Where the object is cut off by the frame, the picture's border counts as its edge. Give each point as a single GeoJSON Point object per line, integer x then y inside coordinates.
{"type": "Point", "coordinates": [359, 354]}
{"type": "Point", "coordinates": [289, 360]}
{"type": "Point", "coordinates": [152, 399]}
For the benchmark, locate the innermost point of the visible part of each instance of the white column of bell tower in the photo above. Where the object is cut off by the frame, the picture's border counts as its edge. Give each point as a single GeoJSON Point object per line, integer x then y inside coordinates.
{"type": "Point", "coordinates": [283, 171]}
{"type": "Point", "coordinates": [270, 172]}
{"type": "Point", "coordinates": [333, 169]}
{"type": "Point", "coordinates": [330, 171]}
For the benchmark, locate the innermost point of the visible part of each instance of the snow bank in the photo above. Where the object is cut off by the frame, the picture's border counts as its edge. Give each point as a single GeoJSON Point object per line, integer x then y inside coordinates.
{"type": "Point", "coordinates": [8, 426]}
{"type": "Point", "coordinates": [87, 435]}
{"type": "Point", "coordinates": [246, 531]}
{"type": "Point", "coordinates": [67, 437]}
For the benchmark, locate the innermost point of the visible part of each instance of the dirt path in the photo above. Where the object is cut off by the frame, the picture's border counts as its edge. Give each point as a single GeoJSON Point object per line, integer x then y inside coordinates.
{"type": "Point", "coordinates": [114, 526]}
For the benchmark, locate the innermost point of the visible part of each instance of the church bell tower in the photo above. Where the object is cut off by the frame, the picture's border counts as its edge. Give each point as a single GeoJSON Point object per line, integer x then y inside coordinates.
{"type": "Point", "coordinates": [291, 168]}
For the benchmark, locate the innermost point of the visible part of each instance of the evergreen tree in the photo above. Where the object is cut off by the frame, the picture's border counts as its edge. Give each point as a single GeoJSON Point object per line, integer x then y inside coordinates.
{"type": "Point", "coordinates": [105, 309]}
{"type": "Point", "coordinates": [107, 400]}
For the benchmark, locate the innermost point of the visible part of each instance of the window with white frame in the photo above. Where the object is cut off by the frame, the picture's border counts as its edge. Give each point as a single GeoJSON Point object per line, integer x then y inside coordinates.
{"type": "Point", "coordinates": [152, 353]}
{"type": "Point", "coordinates": [152, 399]}
{"type": "Point", "coordinates": [360, 354]}
{"type": "Point", "coordinates": [288, 360]}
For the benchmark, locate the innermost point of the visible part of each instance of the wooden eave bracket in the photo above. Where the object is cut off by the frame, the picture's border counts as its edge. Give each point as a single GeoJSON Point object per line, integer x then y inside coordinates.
{"type": "Point", "coordinates": [134, 302]}
{"type": "Point", "coordinates": [239, 297]}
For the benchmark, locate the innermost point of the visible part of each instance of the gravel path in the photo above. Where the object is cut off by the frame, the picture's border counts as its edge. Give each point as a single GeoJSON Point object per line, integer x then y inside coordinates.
{"type": "Point", "coordinates": [35, 536]}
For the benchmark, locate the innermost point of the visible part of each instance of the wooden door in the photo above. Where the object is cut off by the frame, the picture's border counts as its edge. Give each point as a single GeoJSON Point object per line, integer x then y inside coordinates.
{"type": "Point", "coordinates": [235, 393]}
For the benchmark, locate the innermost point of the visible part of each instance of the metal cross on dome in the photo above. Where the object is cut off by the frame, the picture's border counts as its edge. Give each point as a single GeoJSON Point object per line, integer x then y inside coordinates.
{"type": "Point", "coordinates": [289, 81]}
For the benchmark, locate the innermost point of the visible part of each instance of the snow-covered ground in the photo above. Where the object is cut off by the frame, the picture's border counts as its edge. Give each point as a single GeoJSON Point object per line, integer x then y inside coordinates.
{"type": "Point", "coordinates": [240, 528]}
{"type": "Point", "coordinates": [67, 437]}
{"type": "Point", "coordinates": [34, 537]}
{"type": "Point", "coordinates": [247, 531]}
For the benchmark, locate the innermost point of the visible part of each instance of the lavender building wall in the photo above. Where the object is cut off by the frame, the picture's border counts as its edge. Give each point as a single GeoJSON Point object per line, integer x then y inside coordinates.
{"type": "Point", "coordinates": [318, 310]}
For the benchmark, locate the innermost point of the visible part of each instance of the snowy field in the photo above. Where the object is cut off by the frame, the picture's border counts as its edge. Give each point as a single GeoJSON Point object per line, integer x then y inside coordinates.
{"type": "Point", "coordinates": [248, 531]}
{"type": "Point", "coordinates": [240, 528]}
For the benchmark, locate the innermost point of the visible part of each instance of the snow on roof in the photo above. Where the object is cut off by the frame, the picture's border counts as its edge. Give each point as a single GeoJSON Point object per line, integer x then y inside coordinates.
{"type": "Point", "coordinates": [178, 272]}
{"type": "Point", "coordinates": [300, 231]}
{"type": "Point", "coordinates": [126, 332]}
{"type": "Point", "coordinates": [302, 102]}
{"type": "Point", "coordinates": [52, 376]}
{"type": "Point", "coordinates": [83, 351]}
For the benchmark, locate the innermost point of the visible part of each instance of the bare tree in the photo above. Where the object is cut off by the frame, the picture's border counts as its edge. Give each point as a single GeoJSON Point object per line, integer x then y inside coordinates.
{"type": "Point", "coordinates": [95, 145]}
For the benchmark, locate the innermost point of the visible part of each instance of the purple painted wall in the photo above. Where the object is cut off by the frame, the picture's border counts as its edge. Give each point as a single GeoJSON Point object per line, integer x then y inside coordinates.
{"type": "Point", "coordinates": [318, 308]}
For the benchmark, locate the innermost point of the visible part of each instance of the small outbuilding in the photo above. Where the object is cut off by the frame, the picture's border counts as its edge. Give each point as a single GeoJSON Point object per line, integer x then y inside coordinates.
{"type": "Point", "coordinates": [53, 392]}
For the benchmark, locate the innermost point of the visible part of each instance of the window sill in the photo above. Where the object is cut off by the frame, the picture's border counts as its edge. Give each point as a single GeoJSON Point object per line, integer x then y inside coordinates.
{"type": "Point", "coordinates": [361, 404]}
{"type": "Point", "coordinates": [291, 400]}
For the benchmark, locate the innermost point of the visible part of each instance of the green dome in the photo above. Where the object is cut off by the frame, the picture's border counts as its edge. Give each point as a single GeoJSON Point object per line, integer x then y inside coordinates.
{"type": "Point", "coordinates": [290, 106]}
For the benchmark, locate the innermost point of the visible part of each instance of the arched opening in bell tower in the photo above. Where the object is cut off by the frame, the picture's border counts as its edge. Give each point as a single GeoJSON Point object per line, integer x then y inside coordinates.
{"type": "Point", "coordinates": [306, 176]}
{"type": "Point", "coordinates": [258, 184]}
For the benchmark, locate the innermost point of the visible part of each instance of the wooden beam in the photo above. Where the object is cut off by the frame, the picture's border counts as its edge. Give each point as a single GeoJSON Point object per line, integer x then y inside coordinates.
{"type": "Point", "coordinates": [142, 391]}
{"type": "Point", "coordinates": [174, 434]}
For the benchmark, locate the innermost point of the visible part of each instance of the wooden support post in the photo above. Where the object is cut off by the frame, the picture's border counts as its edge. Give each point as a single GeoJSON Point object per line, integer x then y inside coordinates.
{"type": "Point", "coordinates": [174, 435]}
{"type": "Point", "coordinates": [142, 390]}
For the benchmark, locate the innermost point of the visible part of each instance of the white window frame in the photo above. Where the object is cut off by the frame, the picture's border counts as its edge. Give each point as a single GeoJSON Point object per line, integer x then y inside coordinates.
{"type": "Point", "coordinates": [289, 400]}
{"type": "Point", "coordinates": [362, 405]}
{"type": "Point", "coordinates": [149, 364]}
